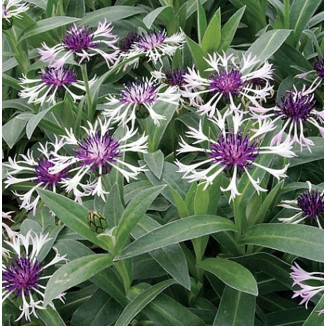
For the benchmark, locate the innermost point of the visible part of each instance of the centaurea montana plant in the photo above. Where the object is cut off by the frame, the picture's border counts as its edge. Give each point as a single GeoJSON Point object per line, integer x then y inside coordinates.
{"type": "Point", "coordinates": [229, 80]}
{"type": "Point", "coordinates": [233, 150]}
{"type": "Point", "coordinates": [24, 274]}
{"type": "Point", "coordinates": [99, 151]}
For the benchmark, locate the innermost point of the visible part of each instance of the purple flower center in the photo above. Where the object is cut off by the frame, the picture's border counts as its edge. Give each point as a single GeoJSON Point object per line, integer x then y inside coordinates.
{"type": "Point", "coordinates": [98, 151]}
{"type": "Point", "coordinates": [127, 43]}
{"type": "Point", "coordinates": [45, 178]}
{"type": "Point", "coordinates": [22, 276]}
{"type": "Point", "coordinates": [295, 106]}
{"type": "Point", "coordinates": [234, 149]}
{"type": "Point", "coordinates": [311, 204]}
{"type": "Point", "coordinates": [150, 41]}
{"type": "Point", "coordinates": [226, 82]}
{"type": "Point", "coordinates": [175, 77]}
{"type": "Point", "coordinates": [139, 93]}
{"type": "Point", "coordinates": [57, 78]}
{"type": "Point", "coordinates": [319, 67]}
{"type": "Point", "coordinates": [78, 39]}
{"type": "Point", "coordinates": [4, 11]}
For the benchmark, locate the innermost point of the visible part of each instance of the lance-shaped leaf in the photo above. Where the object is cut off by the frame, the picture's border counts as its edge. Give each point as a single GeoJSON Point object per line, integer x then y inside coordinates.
{"type": "Point", "coordinates": [296, 239]}
{"type": "Point", "coordinates": [188, 228]}
{"type": "Point", "coordinates": [231, 273]}
{"type": "Point", "coordinates": [72, 214]}
{"type": "Point", "coordinates": [133, 213]}
{"type": "Point", "coordinates": [75, 272]}
{"type": "Point", "coordinates": [141, 301]}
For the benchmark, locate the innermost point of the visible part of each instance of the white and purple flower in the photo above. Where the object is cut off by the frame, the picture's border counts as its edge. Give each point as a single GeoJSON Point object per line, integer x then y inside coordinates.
{"type": "Point", "coordinates": [37, 171]}
{"type": "Point", "coordinates": [307, 291]}
{"type": "Point", "coordinates": [23, 275]}
{"type": "Point", "coordinates": [84, 44]}
{"type": "Point", "coordinates": [296, 110]}
{"type": "Point", "coordinates": [233, 150]}
{"type": "Point", "coordinates": [51, 83]}
{"type": "Point", "coordinates": [153, 45]}
{"type": "Point", "coordinates": [228, 80]}
{"type": "Point", "coordinates": [13, 8]}
{"type": "Point", "coordinates": [137, 99]}
{"type": "Point", "coordinates": [309, 206]}
{"type": "Point", "coordinates": [99, 152]}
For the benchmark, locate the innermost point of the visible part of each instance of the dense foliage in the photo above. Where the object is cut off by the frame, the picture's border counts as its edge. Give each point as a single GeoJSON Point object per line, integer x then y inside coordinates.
{"type": "Point", "coordinates": [163, 162]}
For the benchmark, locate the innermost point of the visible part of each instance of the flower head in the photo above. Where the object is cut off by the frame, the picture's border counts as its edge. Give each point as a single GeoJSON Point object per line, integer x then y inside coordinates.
{"type": "Point", "coordinates": [319, 67]}
{"type": "Point", "coordinates": [51, 82]}
{"type": "Point", "coordinates": [36, 170]}
{"type": "Point", "coordinates": [228, 80]}
{"type": "Point", "coordinates": [309, 206]}
{"type": "Point", "coordinates": [24, 273]}
{"type": "Point", "coordinates": [126, 43]}
{"type": "Point", "coordinates": [232, 150]}
{"type": "Point", "coordinates": [95, 155]}
{"type": "Point", "coordinates": [84, 44]}
{"type": "Point", "coordinates": [300, 278]}
{"type": "Point", "coordinates": [155, 45]}
{"type": "Point", "coordinates": [13, 8]}
{"type": "Point", "coordinates": [137, 97]}
{"type": "Point", "coordinates": [296, 110]}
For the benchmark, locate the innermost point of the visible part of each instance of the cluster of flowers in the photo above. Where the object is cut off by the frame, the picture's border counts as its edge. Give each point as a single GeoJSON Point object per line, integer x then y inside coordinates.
{"type": "Point", "coordinates": [229, 95]}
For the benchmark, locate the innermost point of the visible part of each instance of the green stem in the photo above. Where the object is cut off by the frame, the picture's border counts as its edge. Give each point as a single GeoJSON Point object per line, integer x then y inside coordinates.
{"type": "Point", "coordinates": [90, 113]}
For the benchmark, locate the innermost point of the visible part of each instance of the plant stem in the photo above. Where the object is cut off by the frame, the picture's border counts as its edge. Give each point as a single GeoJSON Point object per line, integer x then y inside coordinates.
{"type": "Point", "coordinates": [90, 113]}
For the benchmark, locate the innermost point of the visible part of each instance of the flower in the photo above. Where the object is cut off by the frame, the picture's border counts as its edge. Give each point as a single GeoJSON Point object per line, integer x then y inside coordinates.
{"type": "Point", "coordinates": [13, 8]}
{"type": "Point", "coordinates": [296, 109]}
{"type": "Point", "coordinates": [154, 45]}
{"type": "Point", "coordinates": [306, 292]}
{"type": "Point", "coordinates": [99, 152]}
{"type": "Point", "coordinates": [171, 77]}
{"type": "Point", "coordinates": [319, 67]}
{"type": "Point", "coordinates": [229, 80]}
{"type": "Point", "coordinates": [23, 275]}
{"type": "Point", "coordinates": [128, 41]}
{"type": "Point", "coordinates": [51, 82]}
{"type": "Point", "coordinates": [84, 44]}
{"type": "Point", "coordinates": [10, 233]}
{"type": "Point", "coordinates": [36, 170]}
{"type": "Point", "coordinates": [233, 150]}
{"type": "Point", "coordinates": [139, 97]}
{"type": "Point", "coordinates": [309, 206]}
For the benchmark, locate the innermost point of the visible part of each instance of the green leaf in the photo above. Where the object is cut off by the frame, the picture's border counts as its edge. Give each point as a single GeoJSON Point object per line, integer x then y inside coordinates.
{"type": "Point", "coordinates": [268, 43]}
{"type": "Point", "coordinates": [100, 309]}
{"type": "Point", "coordinates": [197, 55]}
{"type": "Point", "coordinates": [46, 25]}
{"type": "Point", "coordinates": [50, 317]}
{"type": "Point", "coordinates": [179, 203]}
{"type": "Point", "coordinates": [300, 13]}
{"type": "Point", "coordinates": [75, 272]}
{"type": "Point", "coordinates": [236, 309]}
{"type": "Point", "coordinates": [296, 239]}
{"type": "Point", "coordinates": [133, 213]}
{"type": "Point", "coordinates": [113, 208]}
{"type": "Point", "coordinates": [141, 301]}
{"type": "Point", "coordinates": [171, 258]}
{"type": "Point", "coordinates": [76, 8]}
{"type": "Point", "coordinates": [212, 37]}
{"type": "Point", "coordinates": [111, 14]}
{"type": "Point", "coordinates": [267, 205]}
{"type": "Point", "coordinates": [181, 230]}
{"type": "Point", "coordinates": [201, 21]}
{"type": "Point", "coordinates": [306, 156]}
{"type": "Point", "coordinates": [201, 201]}
{"type": "Point", "coordinates": [232, 274]}
{"type": "Point", "coordinates": [72, 214]}
{"type": "Point", "coordinates": [12, 130]}
{"type": "Point", "coordinates": [161, 12]}
{"type": "Point", "coordinates": [316, 319]}
{"type": "Point", "coordinates": [229, 29]}
{"type": "Point", "coordinates": [38, 3]}
{"type": "Point", "coordinates": [155, 162]}
{"type": "Point", "coordinates": [156, 132]}
{"type": "Point", "coordinates": [35, 120]}
{"type": "Point", "coordinates": [192, 6]}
